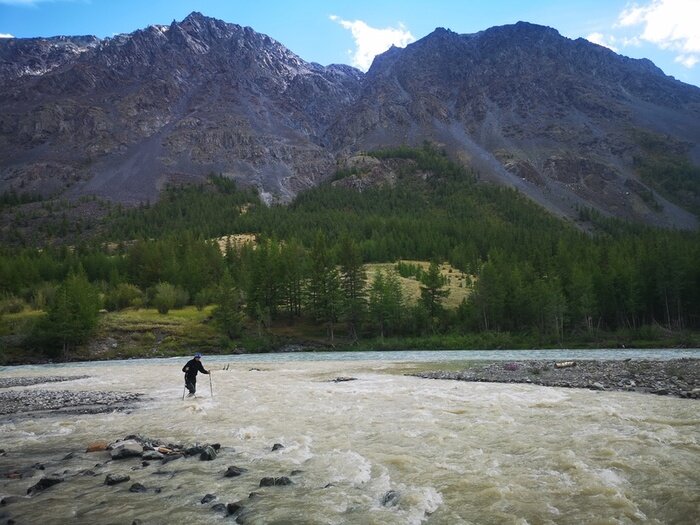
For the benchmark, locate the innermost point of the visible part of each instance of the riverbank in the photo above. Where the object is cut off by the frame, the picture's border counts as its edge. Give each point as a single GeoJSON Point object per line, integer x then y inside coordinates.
{"type": "Point", "coordinates": [145, 333]}
{"type": "Point", "coordinates": [677, 377]}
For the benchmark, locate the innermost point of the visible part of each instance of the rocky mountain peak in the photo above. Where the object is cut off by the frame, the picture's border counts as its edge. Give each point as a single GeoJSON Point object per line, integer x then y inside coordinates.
{"type": "Point", "coordinates": [559, 119]}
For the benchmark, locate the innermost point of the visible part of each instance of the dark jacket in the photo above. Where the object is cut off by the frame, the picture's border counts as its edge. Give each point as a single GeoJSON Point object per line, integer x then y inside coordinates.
{"type": "Point", "coordinates": [192, 367]}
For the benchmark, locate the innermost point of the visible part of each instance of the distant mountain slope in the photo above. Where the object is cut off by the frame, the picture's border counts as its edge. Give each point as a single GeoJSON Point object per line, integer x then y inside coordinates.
{"type": "Point", "coordinates": [557, 118]}
{"type": "Point", "coordinates": [562, 120]}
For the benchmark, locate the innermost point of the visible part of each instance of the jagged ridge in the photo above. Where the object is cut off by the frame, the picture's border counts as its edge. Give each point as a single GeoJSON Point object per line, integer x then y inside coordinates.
{"type": "Point", "coordinates": [120, 117]}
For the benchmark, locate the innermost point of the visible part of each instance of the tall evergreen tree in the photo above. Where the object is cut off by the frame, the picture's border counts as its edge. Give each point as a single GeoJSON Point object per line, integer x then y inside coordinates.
{"type": "Point", "coordinates": [433, 291]}
{"type": "Point", "coordinates": [353, 280]}
{"type": "Point", "coordinates": [72, 315]}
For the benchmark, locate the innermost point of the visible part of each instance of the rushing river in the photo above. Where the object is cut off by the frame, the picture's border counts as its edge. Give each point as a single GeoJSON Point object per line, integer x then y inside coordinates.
{"type": "Point", "coordinates": [453, 452]}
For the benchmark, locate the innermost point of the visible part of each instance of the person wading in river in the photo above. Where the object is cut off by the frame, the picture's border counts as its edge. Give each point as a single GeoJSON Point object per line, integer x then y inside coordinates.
{"type": "Point", "coordinates": [193, 366]}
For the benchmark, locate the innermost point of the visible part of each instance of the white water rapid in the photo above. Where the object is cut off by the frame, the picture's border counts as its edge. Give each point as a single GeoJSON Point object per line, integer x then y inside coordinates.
{"type": "Point", "coordinates": [453, 452]}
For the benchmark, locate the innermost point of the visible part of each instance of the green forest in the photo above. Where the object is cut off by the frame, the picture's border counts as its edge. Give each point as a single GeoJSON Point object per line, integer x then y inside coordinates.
{"type": "Point", "coordinates": [535, 280]}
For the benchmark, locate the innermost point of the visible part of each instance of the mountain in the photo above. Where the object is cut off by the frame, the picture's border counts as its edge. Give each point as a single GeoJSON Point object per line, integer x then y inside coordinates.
{"type": "Point", "coordinates": [564, 121]}
{"type": "Point", "coordinates": [558, 119]}
{"type": "Point", "coordinates": [167, 104]}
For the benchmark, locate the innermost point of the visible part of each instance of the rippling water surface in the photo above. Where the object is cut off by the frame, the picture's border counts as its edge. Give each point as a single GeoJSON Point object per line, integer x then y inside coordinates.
{"type": "Point", "coordinates": [454, 452]}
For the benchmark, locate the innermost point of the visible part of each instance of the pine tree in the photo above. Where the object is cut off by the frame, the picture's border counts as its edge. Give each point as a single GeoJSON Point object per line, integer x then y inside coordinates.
{"type": "Point", "coordinates": [72, 315]}
{"type": "Point", "coordinates": [433, 291]}
{"type": "Point", "coordinates": [353, 280]}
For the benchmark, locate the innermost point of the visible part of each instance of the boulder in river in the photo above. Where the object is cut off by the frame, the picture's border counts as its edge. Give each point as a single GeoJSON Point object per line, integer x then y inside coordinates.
{"type": "Point", "coordinates": [391, 498]}
{"type": "Point", "coordinates": [277, 446]}
{"type": "Point", "coordinates": [151, 455]}
{"type": "Point", "coordinates": [127, 449]}
{"type": "Point", "coordinates": [207, 498]}
{"type": "Point", "coordinates": [114, 479]}
{"type": "Point", "coordinates": [233, 471]}
{"type": "Point", "coordinates": [272, 482]}
{"type": "Point", "coordinates": [138, 487]}
{"type": "Point", "coordinates": [207, 454]}
{"type": "Point", "coordinates": [45, 483]}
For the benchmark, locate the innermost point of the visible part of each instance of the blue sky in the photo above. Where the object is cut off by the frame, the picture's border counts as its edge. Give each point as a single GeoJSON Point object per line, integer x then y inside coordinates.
{"type": "Point", "coordinates": [351, 32]}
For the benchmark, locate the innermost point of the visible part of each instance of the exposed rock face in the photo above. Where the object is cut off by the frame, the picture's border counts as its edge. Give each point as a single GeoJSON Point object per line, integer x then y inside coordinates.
{"type": "Point", "coordinates": [123, 116]}
{"type": "Point", "coordinates": [553, 117]}
{"type": "Point", "coordinates": [169, 103]}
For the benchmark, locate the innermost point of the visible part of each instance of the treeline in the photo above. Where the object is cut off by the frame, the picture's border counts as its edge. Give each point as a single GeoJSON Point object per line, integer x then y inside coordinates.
{"type": "Point", "coordinates": [532, 274]}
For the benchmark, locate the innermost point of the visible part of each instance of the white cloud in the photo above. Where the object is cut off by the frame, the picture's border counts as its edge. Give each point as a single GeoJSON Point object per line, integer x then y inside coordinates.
{"type": "Point", "coordinates": [371, 41]}
{"type": "Point", "coordinates": [602, 40]}
{"type": "Point", "coordinates": [6, 35]}
{"type": "Point", "coordinates": [669, 24]}
{"type": "Point", "coordinates": [687, 60]}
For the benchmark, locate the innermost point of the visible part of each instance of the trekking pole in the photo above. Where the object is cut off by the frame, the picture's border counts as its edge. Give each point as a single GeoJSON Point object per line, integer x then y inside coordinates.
{"type": "Point", "coordinates": [211, 390]}
{"type": "Point", "coordinates": [183, 392]}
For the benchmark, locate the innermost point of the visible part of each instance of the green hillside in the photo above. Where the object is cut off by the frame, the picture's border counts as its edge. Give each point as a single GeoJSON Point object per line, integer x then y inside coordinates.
{"type": "Point", "coordinates": [324, 269]}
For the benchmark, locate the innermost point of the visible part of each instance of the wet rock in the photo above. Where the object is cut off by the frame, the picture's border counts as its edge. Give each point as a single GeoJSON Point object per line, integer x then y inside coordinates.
{"type": "Point", "coordinates": [137, 487]}
{"type": "Point", "coordinates": [152, 455]}
{"type": "Point", "coordinates": [38, 466]}
{"type": "Point", "coordinates": [207, 498]}
{"type": "Point", "coordinates": [172, 457]}
{"type": "Point", "coordinates": [127, 449]}
{"type": "Point", "coordinates": [114, 479]}
{"type": "Point", "coordinates": [277, 446]}
{"type": "Point", "coordinates": [391, 498]}
{"type": "Point", "coordinates": [343, 379]}
{"type": "Point", "coordinates": [208, 454]}
{"type": "Point", "coordinates": [597, 386]}
{"type": "Point", "coordinates": [295, 472]}
{"type": "Point", "coordinates": [145, 464]}
{"type": "Point", "coordinates": [195, 450]}
{"type": "Point", "coordinates": [97, 446]}
{"type": "Point", "coordinates": [219, 507]}
{"type": "Point", "coordinates": [234, 508]}
{"type": "Point", "coordinates": [274, 482]}
{"type": "Point", "coordinates": [45, 483]}
{"type": "Point", "coordinates": [254, 495]}
{"type": "Point", "coordinates": [68, 456]}
{"type": "Point", "coordinates": [234, 471]}
{"type": "Point", "coordinates": [9, 500]}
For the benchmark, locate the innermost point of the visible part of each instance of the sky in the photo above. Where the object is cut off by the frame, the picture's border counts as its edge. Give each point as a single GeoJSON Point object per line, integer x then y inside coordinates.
{"type": "Point", "coordinates": [353, 32]}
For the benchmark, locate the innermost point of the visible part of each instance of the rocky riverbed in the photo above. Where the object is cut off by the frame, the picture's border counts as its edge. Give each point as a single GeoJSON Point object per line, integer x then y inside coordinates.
{"type": "Point", "coordinates": [678, 377]}
{"type": "Point", "coordinates": [139, 465]}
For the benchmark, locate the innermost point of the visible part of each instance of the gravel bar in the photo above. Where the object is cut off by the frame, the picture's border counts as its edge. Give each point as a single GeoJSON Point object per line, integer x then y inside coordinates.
{"type": "Point", "coordinates": [9, 382]}
{"type": "Point", "coordinates": [676, 377]}
{"type": "Point", "coordinates": [64, 401]}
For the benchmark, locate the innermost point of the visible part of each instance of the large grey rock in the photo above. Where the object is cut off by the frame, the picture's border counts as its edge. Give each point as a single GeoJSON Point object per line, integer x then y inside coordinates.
{"type": "Point", "coordinates": [127, 449]}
